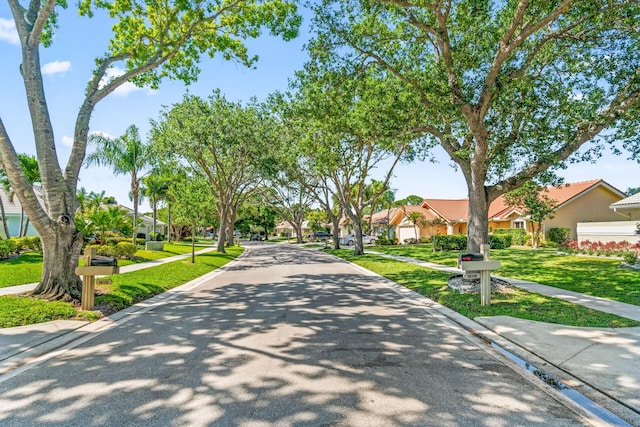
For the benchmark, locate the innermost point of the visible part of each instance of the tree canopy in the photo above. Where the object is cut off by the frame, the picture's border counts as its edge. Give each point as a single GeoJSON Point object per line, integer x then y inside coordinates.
{"type": "Point", "coordinates": [510, 89]}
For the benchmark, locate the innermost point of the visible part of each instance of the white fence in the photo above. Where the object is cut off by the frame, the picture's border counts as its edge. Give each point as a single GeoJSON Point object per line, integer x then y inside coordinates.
{"type": "Point", "coordinates": [614, 231]}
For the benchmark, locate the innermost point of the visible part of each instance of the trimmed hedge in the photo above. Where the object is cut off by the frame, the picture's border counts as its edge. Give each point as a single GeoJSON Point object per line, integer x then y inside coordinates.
{"type": "Point", "coordinates": [500, 241]}
{"type": "Point", "coordinates": [119, 250]}
{"type": "Point", "coordinates": [558, 235]}
{"type": "Point", "coordinates": [7, 247]}
{"type": "Point", "coordinates": [518, 235]}
{"type": "Point", "coordinates": [450, 242]}
{"type": "Point", "coordinates": [115, 240]}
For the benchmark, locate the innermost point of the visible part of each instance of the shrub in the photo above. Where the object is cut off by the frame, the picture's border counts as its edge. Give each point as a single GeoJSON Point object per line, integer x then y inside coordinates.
{"type": "Point", "coordinates": [450, 242]}
{"type": "Point", "coordinates": [386, 241]}
{"type": "Point", "coordinates": [410, 241]}
{"type": "Point", "coordinates": [630, 258]}
{"type": "Point", "coordinates": [115, 240]}
{"type": "Point", "coordinates": [558, 235]}
{"type": "Point", "coordinates": [158, 237]}
{"type": "Point", "coordinates": [125, 250]}
{"type": "Point", "coordinates": [500, 241]}
{"type": "Point", "coordinates": [8, 248]}
{"type": "Point", "coordinates": [518, 235]}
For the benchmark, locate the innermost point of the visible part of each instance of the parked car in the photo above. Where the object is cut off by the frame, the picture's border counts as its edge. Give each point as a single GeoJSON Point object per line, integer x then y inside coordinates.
{"type": "Point", "coordinates": [319, 236]}
{"type": "Point", "coordinates": [256, 238]}
{"type": "Point", "coordinates": [350, 240]}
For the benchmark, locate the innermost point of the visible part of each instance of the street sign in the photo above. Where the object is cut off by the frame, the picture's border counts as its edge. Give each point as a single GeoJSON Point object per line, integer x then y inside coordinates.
{"type": "Point", "coordinates": [104, 281]}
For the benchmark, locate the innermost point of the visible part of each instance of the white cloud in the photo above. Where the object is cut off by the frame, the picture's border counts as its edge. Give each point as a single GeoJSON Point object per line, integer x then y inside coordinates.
{"type": "Point", "coordinates": [56, 67]}
{"type": "Point", "coordinates": [67, 141]}
{"type": "Point", "coordinates": [101, 133]}
{"type": "Point", "coordinates": [8, 32]}
{"type": "Point", "coordinates": [122, 90]}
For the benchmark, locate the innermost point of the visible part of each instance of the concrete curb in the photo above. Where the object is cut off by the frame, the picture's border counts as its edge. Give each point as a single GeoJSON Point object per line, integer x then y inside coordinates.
{"type": "Point", "coordinates": [488, 340]}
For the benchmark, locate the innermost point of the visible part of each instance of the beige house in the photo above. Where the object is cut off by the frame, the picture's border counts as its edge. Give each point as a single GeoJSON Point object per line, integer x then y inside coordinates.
{"type": "Point", "coordinates": [285, 228]}
{"type": "Point", "coordinates": [586, 201]}
{"type": "Point", "coordinates": [625, 227]}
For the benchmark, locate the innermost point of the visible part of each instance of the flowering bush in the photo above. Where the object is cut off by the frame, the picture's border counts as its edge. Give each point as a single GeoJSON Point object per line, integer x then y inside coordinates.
{"type": "Point", "coordinates": [603, 249]}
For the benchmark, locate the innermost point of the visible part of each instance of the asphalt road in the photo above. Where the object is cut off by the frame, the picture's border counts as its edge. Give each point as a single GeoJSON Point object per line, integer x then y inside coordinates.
{"type": "Point", "coordinates": [288, 337]}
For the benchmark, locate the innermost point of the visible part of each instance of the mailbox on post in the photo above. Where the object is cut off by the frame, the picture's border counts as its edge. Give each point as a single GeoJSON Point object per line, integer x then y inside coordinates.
{"type": "Point", "coordinates": [478, 266]}
{"type": "Point", "coordinates": [94, 266]}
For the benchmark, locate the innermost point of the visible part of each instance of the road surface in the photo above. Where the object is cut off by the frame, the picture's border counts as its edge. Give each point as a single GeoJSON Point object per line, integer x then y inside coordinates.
{"type": "Point", "coordinates": [290, 337]}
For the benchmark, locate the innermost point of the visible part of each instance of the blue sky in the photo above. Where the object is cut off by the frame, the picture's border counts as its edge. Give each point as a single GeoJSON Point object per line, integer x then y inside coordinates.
{"type": "Point", "coordinates": [67, 67]}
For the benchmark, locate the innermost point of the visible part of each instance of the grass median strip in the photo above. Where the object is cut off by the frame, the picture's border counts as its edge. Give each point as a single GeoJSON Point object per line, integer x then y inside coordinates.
{"type": "Point", "coordinates": [515, 302]}
{"type": "Point", "coordinates": [126, 289]}
{"type": "Point", "coordinates": [600, 277]}
{"type": "Point", "coordinates": [27, 267]}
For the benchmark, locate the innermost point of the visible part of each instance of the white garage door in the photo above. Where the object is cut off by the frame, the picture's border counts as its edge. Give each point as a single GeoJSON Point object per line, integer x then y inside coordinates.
{"type": "Point", "coordinates": [406, 233]}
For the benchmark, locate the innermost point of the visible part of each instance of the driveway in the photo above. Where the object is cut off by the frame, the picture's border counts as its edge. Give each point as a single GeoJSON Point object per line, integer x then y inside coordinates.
{"type": "Point", "coordinates": [289, 336]}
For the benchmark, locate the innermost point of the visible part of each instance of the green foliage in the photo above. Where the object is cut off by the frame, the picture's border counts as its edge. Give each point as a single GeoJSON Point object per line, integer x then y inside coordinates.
{"type": "Point", "coordinates": [28, 244]}
{"type": "Point", "coordinates": [518, 235]}
{"type": "Point", "coordinates": [411, 200]}
{"type": "Point", "coordinates": [386, 241]}
{"type": "Point", "coordinates": [558, 235]}
{"type": "Point", "coordinates": [630, 257]}
{"type": "Point", "coordinates": [8, 247]}
{"type": "Point", "coordinates": [125, 250]}
{"type": "Point", "coordinates": [158, 237]}
{"type": "Point", "coordinates": [449, 242]}
{"type": "Point", "coordinates": [510, 90]}
{"type": "Point", "coordinates": [500, 241]}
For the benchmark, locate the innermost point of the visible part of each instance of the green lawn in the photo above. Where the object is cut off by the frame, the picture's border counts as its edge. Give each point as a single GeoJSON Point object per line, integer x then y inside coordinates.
{"type": "Point", "coordinates": [516, 303]}
{"type": "Point", "coordinates": [126, 289]}
{"type": "Point", "coordinates": [27, 267]}
{"type": "Point", "coordinates": [601, 277]}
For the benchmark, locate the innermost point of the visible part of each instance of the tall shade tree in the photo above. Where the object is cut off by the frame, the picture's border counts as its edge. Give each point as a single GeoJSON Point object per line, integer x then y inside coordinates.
{"type": "Point", "coordinates": [353, 126]}
{"type": "Point", "coordinates": [151, 40]}
{"type": "Point", "coordinates": [222, 140]}
{"type": "Point", "coordinates": [125, 155]}
{"type": "Point", "coordinates": [510, 88]}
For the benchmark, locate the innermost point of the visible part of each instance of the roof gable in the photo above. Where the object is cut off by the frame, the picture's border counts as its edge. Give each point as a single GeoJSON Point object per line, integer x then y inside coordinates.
{"type": "Point", "coordinates": [451, 210]}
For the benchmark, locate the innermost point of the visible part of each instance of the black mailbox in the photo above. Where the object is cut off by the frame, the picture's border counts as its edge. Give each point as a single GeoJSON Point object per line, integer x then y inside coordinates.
{"type": "Point", "coordinates": [471, 257]}
{"type": "Point", "coordinates": [104, 261]}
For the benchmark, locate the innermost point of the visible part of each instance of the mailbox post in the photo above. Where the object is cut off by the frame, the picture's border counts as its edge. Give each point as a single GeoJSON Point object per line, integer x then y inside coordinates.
{"type": "Point", "coordinates": [473, 263]}
{"type": "Point", "coordinates": [94, 266]}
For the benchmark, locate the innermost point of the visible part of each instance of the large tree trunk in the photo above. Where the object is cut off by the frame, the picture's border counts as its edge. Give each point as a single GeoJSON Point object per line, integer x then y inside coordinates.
{"type": "Point", "coordinates": [60, 259]}
{"type": "Point", "coordinates": [478, 233]}
{"type": "Point", "coordinates": [222, 230]}
{"type": "Point", "coordinates": [335, 221]}
{"type": "Point", "coordinates": [358, 248]}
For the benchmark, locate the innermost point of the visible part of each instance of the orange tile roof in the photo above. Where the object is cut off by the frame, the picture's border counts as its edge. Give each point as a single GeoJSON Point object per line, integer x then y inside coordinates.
{"type": "Point", "coordinates": [451, 210]}
{"type": "Point", "coordinates": [455, 210]}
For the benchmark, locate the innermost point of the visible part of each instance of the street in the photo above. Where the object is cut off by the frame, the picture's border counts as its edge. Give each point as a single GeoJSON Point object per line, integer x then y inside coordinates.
{"type": "Point", "coordinates": [287, 336]}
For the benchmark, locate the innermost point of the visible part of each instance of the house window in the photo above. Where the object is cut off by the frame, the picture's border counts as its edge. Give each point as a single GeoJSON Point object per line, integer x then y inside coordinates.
{"type": "Point", "coordinates": [518, 224]}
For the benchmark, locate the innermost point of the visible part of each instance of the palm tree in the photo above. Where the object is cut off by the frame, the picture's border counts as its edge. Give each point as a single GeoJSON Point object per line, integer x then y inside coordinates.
{"type": "Point", "coordinates": [4, 182]}
{"type": "Point", "coordinates": [125, 155]}
{"type": "Point", "coordinates": [415, 217]}
{"type": "Point", "coordinates": [156, 187]}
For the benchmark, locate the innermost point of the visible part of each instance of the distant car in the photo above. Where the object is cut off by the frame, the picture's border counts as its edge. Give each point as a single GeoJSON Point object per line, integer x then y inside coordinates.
{"type": "Point", "coordinates": [350, 240]}
{"type": "Point", "coordinates": [256, 238]}
{"type": "Point", "coordinates": [319, 236]}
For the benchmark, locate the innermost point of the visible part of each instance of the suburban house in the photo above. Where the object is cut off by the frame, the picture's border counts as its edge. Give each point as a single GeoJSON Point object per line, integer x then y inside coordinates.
{"type": "Point", "coordinates": [586, 201]}
{"type": "Point", "coordinates": [13, 214]}
{"type": "Point", "coordinates": [286, 229]}
{"type": "Point", "coordinates": [625, 226]}
{"type": "Point", "coordinates": [145, 223]}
